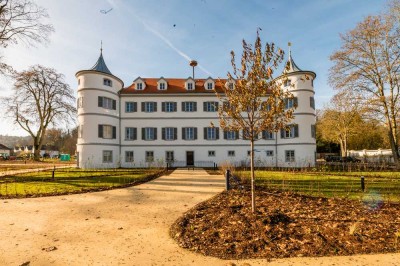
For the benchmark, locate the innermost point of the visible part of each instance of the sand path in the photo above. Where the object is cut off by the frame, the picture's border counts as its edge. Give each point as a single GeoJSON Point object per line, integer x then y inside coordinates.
{"type": "Point", "coordinates": [123, 227]}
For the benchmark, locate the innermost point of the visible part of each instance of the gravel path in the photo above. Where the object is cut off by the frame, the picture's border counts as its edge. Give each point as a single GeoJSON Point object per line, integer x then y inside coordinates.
{"type": "Point", "coordinates": [122, 227]}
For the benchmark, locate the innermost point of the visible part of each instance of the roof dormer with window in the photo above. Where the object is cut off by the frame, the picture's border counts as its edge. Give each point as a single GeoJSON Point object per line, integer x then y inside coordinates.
{"type": "Point", "coordinates": [139, 84]}
{"type": "Point", "coordinates": [230, 84]}
{"type": "Point", "coordinates": [209, 84]}
{"type": "Point", "coordinates": [190, 84]}
{"type": "Point", "coordinates": [162, 84]}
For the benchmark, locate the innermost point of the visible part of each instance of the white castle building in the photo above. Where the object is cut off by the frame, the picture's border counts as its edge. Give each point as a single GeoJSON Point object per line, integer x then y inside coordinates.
{"type": "Point", "coordinates": [156, 121]}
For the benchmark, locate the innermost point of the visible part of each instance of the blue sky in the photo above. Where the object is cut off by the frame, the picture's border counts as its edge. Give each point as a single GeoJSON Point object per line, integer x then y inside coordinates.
{"type": "Point", "coordinates": [154, 38]}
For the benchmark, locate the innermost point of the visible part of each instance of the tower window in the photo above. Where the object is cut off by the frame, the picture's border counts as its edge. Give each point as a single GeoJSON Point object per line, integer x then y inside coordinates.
{"type": "Point", "coordinates": [107, 82]}
{"type": "Point", "coordinates": [287, 83]}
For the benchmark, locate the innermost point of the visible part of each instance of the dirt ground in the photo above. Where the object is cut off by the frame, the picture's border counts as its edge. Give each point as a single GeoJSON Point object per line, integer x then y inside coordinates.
{"type": "Point", "coordinates": [127, 226]}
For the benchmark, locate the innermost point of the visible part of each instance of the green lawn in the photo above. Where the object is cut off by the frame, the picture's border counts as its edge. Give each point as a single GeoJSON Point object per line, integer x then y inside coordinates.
{"type": "Point", "coordinates": [378, 185]}
{"type": "Point", "coordinates": [70, 180]}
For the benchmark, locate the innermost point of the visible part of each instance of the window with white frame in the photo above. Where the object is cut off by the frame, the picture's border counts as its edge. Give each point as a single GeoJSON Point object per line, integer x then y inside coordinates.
{"type": "Point", "coordinates": [189, 86]}
{"type": "Point", "coordinates": [289, 156]}
{"type": "Point", "coordinates": [231, 153]}
{"type": "Point", "coordinates": [130, 107]}
{"type": "Point", "coordinates": [129, 156]}
{"type": "Point", "coordinates": [210, 106]}
{"type": "Point", "coordinates": [169, 133]}
{"type": "Point", "coordinates": [210, 86]}
{"type": "Point", "coordinates": [80, 102]}
{"type": "Point", "coordinates": [211, 133]}
{"type": "Point", "coordinates": [149, 156]}
{"type": "Point", "coordinates": [290, 103]}
{"type": "Point", "coordinates": [312, 102]}
{"type": "Point", "coordinates": [266, 134]}
{"type": "Point", "coordinates": [107, 132]}
{"type": "Point", "coordinates": [162, 86]}
{"type": "Point", "coordinates": [189, 133]}
{"type": "Point", "coordinates": [169, 156]}
{"type": "Point", "coordinates": [313, 131]}
{"type": "Point", "coordinates": [168, 107]}
{"type": "Point", "coordinates": [107, 82]}
{"type": "Point", "coordinates": [189, 106]}
{"type": "Point", "coordinates": [130, 133]}
{"type": "Point", "coordinates": [211, 153]}
{"type": "Point", "coordinates": [149, 133]}
{"type": "Point", "coordinates": [287, 82]}
{"type": "Point", "coordinates": [139, 86]}
{"type": "Point", "coordinates": [149, 107]}
{"type": "Point", "coordinates": [107, 157]}
{"type": "Point", "coordinates": [270, 153]}
{"type": "Point", "coordinates": [231, 135]}
{"type": "Point", "coordinates": [107, 103]}
{"type": "Point", "coordinates": [292, 131]}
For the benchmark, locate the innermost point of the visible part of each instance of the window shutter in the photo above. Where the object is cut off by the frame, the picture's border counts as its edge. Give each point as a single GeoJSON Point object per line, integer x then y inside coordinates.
{"type": "Point", "coordinates": [143, 133]}
{"type": "Point", "coordinates": [134, 106]}
{"type": "Point", "coordinates": [195, 133]}
{"type": "Point", "coordinates": [225, 134]}
{"type": "Point", "coordinates": [114, 132]}
{"type": "Point", "coordinates": [134, 133]}
{"type": "Point", "coordinates": [100, 101]}
{"type": "Point", "coordinates": [217, 133]}
{"type": "Point", "coordinates": [295, 102]}
{"type": "Point", "coordinates": [163, 133]}
{"type": "Point", "coordinates": [114, 104]}
{"type": "Point", "coordinates": [183, 107]}
{"type": "Point", "coordinates": [155, 132]}
{"type": "Point", "coordinates": [143, 106]}
{"type": "Point", "coordinates": [296, 131]}
{"type": "Point", "coordinates": [282, 133]}
{"type": "Point", "coordinates": [194, 106]}
{"type": "Point", "coordinates": [205, 133]}
{"type": "Point", "coordinates": [175, 133]}
{"type": "Point", "coordinates": [175, 106]}
{"type": "Point", "coordinates": [184, 133]}
{"type": "Point", "coordinates": [163, 107]}
{"type": "Point", "coordinates": [155, 106]}
{"type": "Point", "coordinates": [100, 131]}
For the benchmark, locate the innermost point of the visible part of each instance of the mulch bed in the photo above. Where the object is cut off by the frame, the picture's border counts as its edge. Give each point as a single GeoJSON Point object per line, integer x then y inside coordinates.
{"type": "Point", "coordinates": [288, 225]}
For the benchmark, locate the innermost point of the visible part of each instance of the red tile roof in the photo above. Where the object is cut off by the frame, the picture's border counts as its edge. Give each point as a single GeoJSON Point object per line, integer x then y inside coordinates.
{"type": "Point", "coordinates": [174, 85]}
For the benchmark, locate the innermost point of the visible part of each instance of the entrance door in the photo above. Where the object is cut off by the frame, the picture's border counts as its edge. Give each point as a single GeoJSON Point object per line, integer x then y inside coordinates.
{"type": "Point", "coordinates": [190, 158]}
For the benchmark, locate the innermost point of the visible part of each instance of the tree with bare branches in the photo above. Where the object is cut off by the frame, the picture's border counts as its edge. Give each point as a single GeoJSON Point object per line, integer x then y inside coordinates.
{"type": "Point", "coordinates": [253, 100]}
{"type": "Point", "coordinates": [40, 98]}
{"type": "Point", "coordinates": [22, 21]}
{"type": "Point", "coordinates": [368, 62]}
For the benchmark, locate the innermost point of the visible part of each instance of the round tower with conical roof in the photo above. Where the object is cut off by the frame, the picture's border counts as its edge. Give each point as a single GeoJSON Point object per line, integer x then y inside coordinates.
{"type": "Point", "coordinates": [297, 147]}
{"type": "Point", "coordinates": [98, 104]}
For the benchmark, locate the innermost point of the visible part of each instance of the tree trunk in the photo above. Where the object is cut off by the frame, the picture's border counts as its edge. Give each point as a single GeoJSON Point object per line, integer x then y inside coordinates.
{"type": "Point", "coordinates": [395, 148]}
{"type": "Point", "coordinates": [253, 198]}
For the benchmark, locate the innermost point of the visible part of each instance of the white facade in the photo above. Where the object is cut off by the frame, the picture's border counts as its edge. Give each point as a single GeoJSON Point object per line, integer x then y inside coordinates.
{"type": "Point", "coordinates": [114, 123]}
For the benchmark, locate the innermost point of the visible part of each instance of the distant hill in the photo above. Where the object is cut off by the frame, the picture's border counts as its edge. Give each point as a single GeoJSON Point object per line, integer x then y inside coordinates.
{"type": "Point", "coordinates": [12, 141]}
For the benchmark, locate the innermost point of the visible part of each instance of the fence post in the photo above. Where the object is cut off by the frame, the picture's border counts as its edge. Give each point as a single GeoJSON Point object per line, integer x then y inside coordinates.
{"type": "Point", "coordinates": [52, 175]}
{"type": "Point", "coordinates": [227, 176]}
{"type": "Point", "coordinates": [362, 183]}
{"type": "Point", "coordinates": [167, 166]}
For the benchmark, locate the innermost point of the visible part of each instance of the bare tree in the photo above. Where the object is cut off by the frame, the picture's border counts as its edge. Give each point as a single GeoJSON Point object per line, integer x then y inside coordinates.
{"type": "Point", "coordinates": [369, 62]}
{"type": "Point", "coordinates": [40, 98]}
{"type": "Point", "coordinates": [253, 100]}
{"type": "Point", "coordinates": [22, 20]}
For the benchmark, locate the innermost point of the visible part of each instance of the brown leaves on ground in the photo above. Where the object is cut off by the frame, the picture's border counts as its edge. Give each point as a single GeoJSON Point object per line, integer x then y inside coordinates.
{"type": "Point", "coordinates": [287, 225]}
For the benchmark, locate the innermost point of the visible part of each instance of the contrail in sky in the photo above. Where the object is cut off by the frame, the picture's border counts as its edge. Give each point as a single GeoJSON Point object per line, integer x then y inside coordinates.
{"type": "Point", "coordinates": [160, 36]}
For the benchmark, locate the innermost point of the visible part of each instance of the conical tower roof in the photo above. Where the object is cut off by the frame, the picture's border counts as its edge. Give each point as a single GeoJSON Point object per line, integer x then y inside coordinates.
{"type": "Point", "coordinates": [101, 65]}
{"type": "Point", "coordinates": [292, 65]}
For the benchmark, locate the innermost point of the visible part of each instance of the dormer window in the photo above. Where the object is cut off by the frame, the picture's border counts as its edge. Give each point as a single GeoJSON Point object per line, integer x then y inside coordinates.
{"type": "Point", "coordinates": [210, 86]}
{"type": "Point", "coordinates": [229, 85]}
{"type": "Point", "coordinates": [190, 86]}
{"type": "Point", "coordinates": [107, 82]}
{"type": "Point", "coordinates": [139, 84]}
{"type": "Point", "coordinates": [162, 84]}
